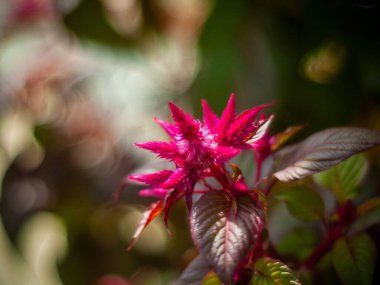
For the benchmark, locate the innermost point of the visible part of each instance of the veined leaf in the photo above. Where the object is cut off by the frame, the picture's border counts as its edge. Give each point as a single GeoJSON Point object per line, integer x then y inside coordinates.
{"type": "Point", "coordinates": [225, 228]}
{"type": "Point", "coordinates": [153, 212]}
{"type": "Point", "coordinates": [195, 272]}
{"type": "Point", "coordinates": [268, 271]}
{"type": "Point", "coordinates": [211, 279]}
{"type": "Point", "coordinates": [299, 243]}
{"type": "Point", "coordinates": [323, 150]}
{"type": "Point", "coordinates": [303, 203]}
{"type": "Point", "coordinates": [354, 259]}
{"type": "Point", "coordinates": [344, 178]}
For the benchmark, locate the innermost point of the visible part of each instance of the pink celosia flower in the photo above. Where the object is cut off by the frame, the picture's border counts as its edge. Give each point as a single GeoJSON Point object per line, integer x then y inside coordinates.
{"type": "Point", "coordinates": [196, 146]}
{"type": "Point", "coordinates": [200, 150]}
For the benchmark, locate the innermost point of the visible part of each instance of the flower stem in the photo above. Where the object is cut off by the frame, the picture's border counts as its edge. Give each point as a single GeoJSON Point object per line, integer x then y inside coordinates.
{"type": "Point", "coordinates": [332, 235]}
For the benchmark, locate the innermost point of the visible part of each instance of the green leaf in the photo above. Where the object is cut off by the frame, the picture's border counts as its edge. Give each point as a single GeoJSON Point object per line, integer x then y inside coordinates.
{"type": "Point", "coordinates": [344, 178]}
{"type": "Point", "coordinates": [268, 271]}
{"type": "Point", "coordinates": [303, 203]}
{"type": "Point", "coordinates": [194, 272]}
{"type": "Point", "coordinates": [354, 259]}
{"type": "Point", "coordinates": [225, 228]}
{"type": "Point", "coordinates": [211, 279]}
{"type": "Point", "coordinates": [298, 243]}
{"type": "Point", "coordinates": [322, 151]}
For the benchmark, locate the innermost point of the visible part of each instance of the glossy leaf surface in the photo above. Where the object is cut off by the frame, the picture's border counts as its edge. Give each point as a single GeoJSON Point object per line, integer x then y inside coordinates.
{"type": "Point", "coordinates": [344, 178]}
{"type": "Point", "coordinates": [323, 150]}
{"type": "Point", "coordinates": [225, 228]}
{"type": "Point", "coordinates": [269, 271]}
{"type": "Point", "coordinates": [354, 259]}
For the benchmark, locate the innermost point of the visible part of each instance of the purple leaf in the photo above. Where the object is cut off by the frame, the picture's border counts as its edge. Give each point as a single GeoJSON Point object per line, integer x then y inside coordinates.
{"type": "Point", "coordinates": [225, 228]}
{"type": "Point", "coordinates": [323, 150]}
{"type": "Point", "coordinates": [194, 272]}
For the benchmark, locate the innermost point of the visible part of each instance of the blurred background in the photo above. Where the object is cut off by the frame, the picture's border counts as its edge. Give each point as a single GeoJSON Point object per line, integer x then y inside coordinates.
{"type": "Point", "coordinates": [80, 82]}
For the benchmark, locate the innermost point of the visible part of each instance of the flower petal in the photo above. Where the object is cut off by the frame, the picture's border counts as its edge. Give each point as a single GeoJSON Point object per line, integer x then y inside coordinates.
{"type": "Point", "coordinates": [154, 192]}
{"type": "Point", "coordinates": [243, 127]}
{"type": "Point", "coordinates": [226, 153]}
{"type": "Point", "coordinates": [175, 178]}
{"type": "Point", "coordinates": [210, 119]}
{"type": "Point", "coordinates": [154, 178]}
{"type": "Point", "coordinates": [167, 150]}
{"type": "Point", "coordinates": [170, 129]}
{"type": "Point", "coordinates": [186, 123]}
{"type": "Point", "coordinates": [228, 114]}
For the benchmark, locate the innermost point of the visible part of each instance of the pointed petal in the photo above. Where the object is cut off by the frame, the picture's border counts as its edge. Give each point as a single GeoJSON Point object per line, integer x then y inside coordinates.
{"type": "Point", "coordinates": [228, 114]}
{"type": "Point", "coordinates": [178, 115]}
{"type": "Point", "coordinates": [154, 179]}
{"type": "Point", "coordinates": [154, 192]}
{"type": "Point", "coordinates": [210, 119]}
{"type": "Point", "coordinates": [226, 153]}
{"type": "Point", "coordinates": [170, 129]}
{"type": "Point", "coordinates": [167, 150]}
{"type": "Point", "coordinates": [186, 123]}
{"type": "Point", "coordinates": [243, 127]}
{"type": "Point", "coordinates": [153, 212]}
{"type": "Point", "coordinates": [175, 178]}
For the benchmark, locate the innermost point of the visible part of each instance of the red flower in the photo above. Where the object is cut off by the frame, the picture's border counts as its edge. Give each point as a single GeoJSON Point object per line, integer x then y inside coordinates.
{"type": "Point", "coordinates": [199, 150]}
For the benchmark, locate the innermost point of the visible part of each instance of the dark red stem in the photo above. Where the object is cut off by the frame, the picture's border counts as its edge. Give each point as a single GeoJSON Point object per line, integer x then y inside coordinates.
{"type": "Point", "coordinates": [346, 213]}
{"type": "Point", "coordinates": [332, 235]}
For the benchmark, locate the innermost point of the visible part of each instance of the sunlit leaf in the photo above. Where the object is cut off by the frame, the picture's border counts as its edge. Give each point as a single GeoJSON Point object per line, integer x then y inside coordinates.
{"type": "Point", "coordinates": [344, 178]}
{"type": "Point", "coordinates": [195, 272]}
{"type": "Point", "coordinates": [368, 215]}
{"type": "Point", "coordinates": [299, 243]}
{"type": "Point", "coordinates": [322, 150]}
{"type": "Point", "coordinates": [354, 259]}
{"type": "Point", "coordinates": [225, 228]}
{"type": "Point", "coordinates": [268, 271]}
{"type": "Point", "coordinates": [303, 203]}
{"type": "Point", "coordinates": [153, 212]}
{"type": "Point", "coordinates": [211, 279]}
